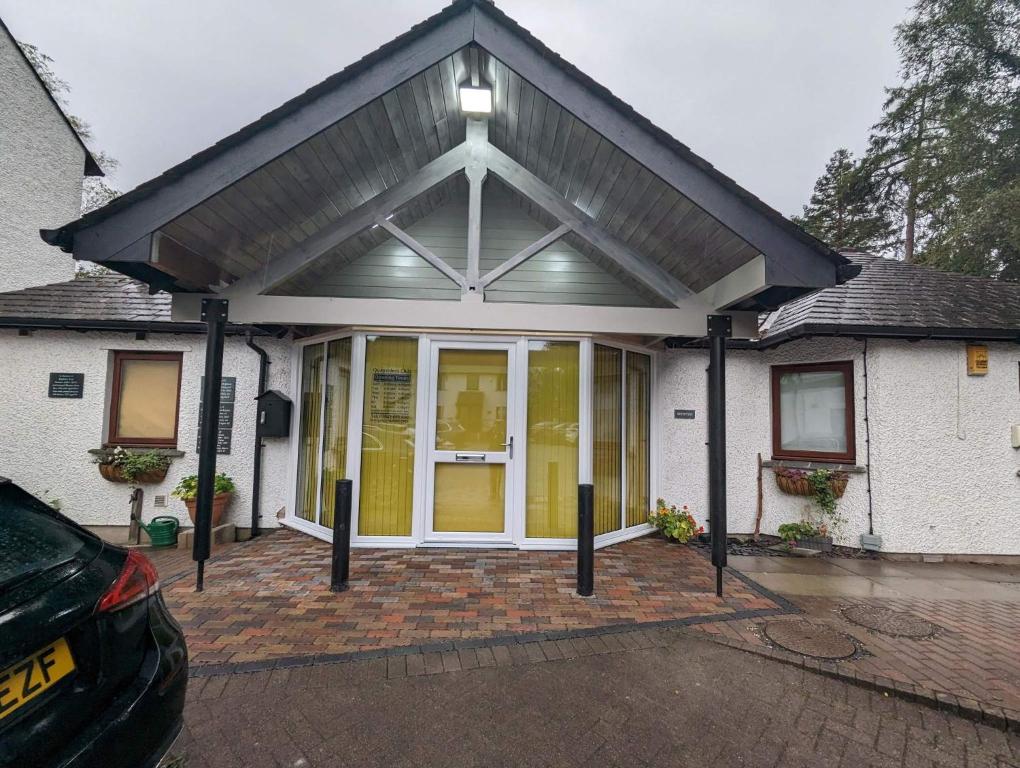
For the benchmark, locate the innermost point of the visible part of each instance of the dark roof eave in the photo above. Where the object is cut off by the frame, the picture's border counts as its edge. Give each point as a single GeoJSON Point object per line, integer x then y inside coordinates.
{"type": "Point", "coordinates": [64, 236]}
{"type": "Point", "coordinates": [908, 333]}
{"type": "Point", "coordinates": [130, 326]}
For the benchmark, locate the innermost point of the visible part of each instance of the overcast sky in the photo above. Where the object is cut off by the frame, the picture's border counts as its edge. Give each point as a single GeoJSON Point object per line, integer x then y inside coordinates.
{"type": "Point", "coordinates": [763, 90]}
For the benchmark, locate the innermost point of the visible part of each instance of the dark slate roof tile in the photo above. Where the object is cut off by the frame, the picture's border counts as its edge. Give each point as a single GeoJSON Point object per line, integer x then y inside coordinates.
{"type": "Point", "coordinates": [107, 297]}
{"type": "Point", "coordinates": [895, 294]}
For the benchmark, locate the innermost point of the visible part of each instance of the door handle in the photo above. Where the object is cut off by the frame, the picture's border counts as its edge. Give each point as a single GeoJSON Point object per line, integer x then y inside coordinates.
{"type": "Point", "coordinates": [510, 447]}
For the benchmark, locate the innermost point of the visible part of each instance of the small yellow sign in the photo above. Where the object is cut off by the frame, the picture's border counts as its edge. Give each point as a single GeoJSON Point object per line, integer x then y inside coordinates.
{"type": "Point", "coordinates": [977, 360]}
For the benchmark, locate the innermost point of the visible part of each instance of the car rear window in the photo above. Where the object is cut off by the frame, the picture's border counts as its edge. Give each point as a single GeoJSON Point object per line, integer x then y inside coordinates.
{"type": "Point", "coordinates": [33, 539]}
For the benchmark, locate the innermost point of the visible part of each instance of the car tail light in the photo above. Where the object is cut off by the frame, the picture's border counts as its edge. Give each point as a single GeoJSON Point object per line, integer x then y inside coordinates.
{"type": "Point", "coordinates": [137, 581]}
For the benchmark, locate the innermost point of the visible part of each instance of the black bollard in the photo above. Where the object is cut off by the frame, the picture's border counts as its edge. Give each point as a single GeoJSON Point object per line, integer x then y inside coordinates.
{"type": "Point", "coordinates": [585, 540]}
{"type": "Point", "coordinates": [341, 565]}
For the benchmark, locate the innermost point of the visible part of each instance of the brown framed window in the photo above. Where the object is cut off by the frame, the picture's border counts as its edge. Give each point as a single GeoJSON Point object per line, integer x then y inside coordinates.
{"type": "Point", "coordinates": [813, 412]}
{"type": "Point", "coordinates": [145, 398]}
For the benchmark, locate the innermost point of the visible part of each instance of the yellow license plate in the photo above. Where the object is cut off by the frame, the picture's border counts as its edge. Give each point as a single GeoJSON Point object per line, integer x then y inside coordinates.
{"type": "Point", "coordinates": [30, 677]}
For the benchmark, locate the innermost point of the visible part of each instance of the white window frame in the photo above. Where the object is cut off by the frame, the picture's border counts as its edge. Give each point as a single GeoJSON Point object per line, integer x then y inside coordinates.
{"type": "Point", "coordinates": [518, 485]}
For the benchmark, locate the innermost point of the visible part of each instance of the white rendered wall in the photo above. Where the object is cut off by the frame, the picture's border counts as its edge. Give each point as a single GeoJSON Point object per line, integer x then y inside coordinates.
{"type": "Point", "coordinates": [44, 441]}
{"type": "Point", "coordinates": [41, 165]}
{"type": "Point", "coordinates": [943, 471]}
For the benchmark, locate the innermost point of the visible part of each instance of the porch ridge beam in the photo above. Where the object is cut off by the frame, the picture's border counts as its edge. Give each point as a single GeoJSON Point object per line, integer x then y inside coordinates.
{"type": "Point", "coordinates": [515, 261]}
{"type": "Point", "coordinates": [423, 251]}
{"type": "Point", "coordinates": [544, 196]}
{"type": "Point", "coordinates": [309, 250]}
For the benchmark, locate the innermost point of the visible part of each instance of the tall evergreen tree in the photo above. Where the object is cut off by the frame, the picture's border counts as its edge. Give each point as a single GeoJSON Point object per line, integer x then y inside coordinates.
{"type": "Point", "coordinates": [846, 210]}
{"type": "Point", "coordinates": [947, 149]}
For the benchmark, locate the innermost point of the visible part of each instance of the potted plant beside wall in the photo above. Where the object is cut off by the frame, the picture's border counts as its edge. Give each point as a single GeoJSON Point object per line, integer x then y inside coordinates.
{"type": "Point", "coordinates": [674, 524]}
{"type": "Point", "coordinates": [139, 467]}
{"type": "Point", "coordinates": [223, 492]}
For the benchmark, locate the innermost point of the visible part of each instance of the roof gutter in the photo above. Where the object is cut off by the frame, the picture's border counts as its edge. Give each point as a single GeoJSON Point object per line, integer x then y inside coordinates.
{"type": "Point", "coordinates": [814, 330]}
{"type": "Point", "coordinates": [133, 326]}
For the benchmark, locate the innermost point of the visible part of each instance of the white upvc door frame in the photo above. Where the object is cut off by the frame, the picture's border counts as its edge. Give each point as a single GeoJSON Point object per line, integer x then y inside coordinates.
{"type": "Point", "coordinates": [507, 457]}
{"type": "Point", "coordinates": [625, 533]}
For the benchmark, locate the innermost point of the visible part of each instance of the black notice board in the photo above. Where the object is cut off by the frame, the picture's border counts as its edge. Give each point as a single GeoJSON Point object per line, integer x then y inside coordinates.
{"type": "Point", "coordinates": [67, 385]}
{"type": "Point", "coordinates": [683, 413]}
{"type": "Point", "coordinates": [225, 425]}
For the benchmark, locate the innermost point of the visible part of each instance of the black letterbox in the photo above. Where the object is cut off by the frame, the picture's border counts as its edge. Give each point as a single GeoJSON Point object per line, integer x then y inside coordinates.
{"type": "Point", "coordinates": [274, 414]}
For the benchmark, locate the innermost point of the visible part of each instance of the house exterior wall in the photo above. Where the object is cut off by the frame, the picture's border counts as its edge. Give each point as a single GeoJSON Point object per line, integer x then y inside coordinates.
{"type": "Point", "coordinates": [944, 475]}
{"type": "Point", "coordinates": [41, 165]}
{"type": "Point", "coordinates": [44, 441]}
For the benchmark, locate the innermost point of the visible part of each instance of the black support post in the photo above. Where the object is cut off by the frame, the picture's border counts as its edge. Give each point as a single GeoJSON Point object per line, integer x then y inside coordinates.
{"type": "Point", "coordinates": [720, 328]}
{"type": "Point", "coordinates": [214, 315]}
{"type": "Point", "coordinates": [340, 570]}
{"type": "Point", "coordinates": [585, 540]}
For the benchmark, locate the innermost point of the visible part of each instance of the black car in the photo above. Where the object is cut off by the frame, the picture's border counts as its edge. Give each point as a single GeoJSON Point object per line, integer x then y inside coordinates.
{"type": "Point", "coordinates": [93, 668]}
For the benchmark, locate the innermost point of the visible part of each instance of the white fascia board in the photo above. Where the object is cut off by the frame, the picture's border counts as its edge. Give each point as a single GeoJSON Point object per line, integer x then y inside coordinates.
{"type": "Point", "coordinates": [688, 319]}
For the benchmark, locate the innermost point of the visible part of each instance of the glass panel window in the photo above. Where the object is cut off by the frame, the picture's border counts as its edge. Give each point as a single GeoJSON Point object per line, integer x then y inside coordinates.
{"type": "Point", "coordinates": [607, 437]}
{"type": "Point", "coordinates": [471, 400]}
{"type": "Point", "coordinates": [812, 411]}
{"type": "Point", "coordinates": [309, 431]}
{"type": "Point", "coordinates": [334, 435]}
{"type": "Point", "coordinates": [144, 402]}
{"type": "Point", "coordinates": [387, 438]}
{"type": "Point", "coordinates": [639, 390]}
{"type": "Point", "coordinates": [552, 446]}
{"type": "Point", "coordinates": [470, 498]}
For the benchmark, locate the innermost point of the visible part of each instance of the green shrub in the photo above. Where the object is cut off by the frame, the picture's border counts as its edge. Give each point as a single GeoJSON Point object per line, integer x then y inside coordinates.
{"type": "Point", "coordinates": [187, 488]}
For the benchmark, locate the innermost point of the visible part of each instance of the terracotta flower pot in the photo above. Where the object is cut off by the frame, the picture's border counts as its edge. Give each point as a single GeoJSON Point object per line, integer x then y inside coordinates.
{"type": "Point", "coordinates": [219, 506]}
{"type": "Point", "coordinates": [114, 474]}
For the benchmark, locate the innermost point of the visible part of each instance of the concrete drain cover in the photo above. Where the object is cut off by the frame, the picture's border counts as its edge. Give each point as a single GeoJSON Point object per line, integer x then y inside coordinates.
{"type": "Point", "coordinates": [807, 639]}
{"type": "Point", "coordinates": [888, 622]}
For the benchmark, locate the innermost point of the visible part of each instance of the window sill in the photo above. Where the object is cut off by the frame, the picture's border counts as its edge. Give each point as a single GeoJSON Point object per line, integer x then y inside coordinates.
{"type": "Point", "coordinates": [835, 466]}
{"type": "Point", "coordinates": [173, 453]}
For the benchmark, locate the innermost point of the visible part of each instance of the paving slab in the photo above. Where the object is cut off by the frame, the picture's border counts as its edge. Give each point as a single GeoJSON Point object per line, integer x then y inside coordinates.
{"type": "Point", "coordinates": [682, 703]}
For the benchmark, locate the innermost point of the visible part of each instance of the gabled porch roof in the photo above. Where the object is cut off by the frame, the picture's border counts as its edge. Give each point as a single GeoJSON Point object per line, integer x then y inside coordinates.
{"type": "Point", "coordinates": [268, 209]}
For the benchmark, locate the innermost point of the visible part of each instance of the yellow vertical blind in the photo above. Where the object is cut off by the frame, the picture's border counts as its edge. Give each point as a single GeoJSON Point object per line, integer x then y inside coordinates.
{"type": "Point", "coordinates": [334, 433]}
{"type": "Point", "coordinates": [148, 399]}
{"type": "Point", "coordinates": [639, 388]}
{"type": "Point", "coordinates": [309, 431]}
{"type": "Point", "coordinates": [552, 445]}
{"type": "Point", "coordinates": [387, 439]}
{"type": "Point", "coordinates": [607, 437]}
{"type": "Point", "coordinates": [470, 498]}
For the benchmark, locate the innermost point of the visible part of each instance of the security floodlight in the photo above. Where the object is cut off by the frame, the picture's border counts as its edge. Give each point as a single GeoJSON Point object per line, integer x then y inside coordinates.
{"type": "Point", "coordinates": [476, 99]}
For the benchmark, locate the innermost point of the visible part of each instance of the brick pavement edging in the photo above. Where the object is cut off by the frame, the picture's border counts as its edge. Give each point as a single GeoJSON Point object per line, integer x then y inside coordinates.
{"type": "Point", "coordinates": [496, 641]}
{"type": "Point", "coordinates": [971, 709]}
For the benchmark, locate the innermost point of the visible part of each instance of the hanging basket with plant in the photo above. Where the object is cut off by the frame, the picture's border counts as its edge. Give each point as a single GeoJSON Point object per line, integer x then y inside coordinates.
{"type": "Point", "coordinates": [801, 482]}
{"type": "Point", "coordinates": [223, 492]}
{"type": "Point", "coordinates": [133, 466]}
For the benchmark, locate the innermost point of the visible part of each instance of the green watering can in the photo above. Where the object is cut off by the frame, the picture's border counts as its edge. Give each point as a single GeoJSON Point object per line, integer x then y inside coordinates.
{"type": "Point", "coordinates": [162, 530]}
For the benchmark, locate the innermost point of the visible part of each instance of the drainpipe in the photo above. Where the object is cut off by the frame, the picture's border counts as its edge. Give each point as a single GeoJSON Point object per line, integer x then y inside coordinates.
{"type": "Point", "coordinates": [867, 442]}
{"type": "Point", "coordinates": [256, 480]}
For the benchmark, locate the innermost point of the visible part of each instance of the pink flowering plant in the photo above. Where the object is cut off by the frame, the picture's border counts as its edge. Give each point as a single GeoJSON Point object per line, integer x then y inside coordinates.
{"type": "Point", "coordinates": [674, 523]}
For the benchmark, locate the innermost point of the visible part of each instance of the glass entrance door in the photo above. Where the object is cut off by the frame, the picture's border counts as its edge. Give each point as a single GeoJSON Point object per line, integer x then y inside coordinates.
{"type": "Point", "coordinates": [471, 445]}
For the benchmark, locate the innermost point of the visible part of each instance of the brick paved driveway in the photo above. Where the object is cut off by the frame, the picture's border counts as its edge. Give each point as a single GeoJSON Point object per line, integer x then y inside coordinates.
{"type": "Point", "coordinates": [641, 698]}
{"type": "Point", "coordinates": [270, 598]}
{"type": "Point", "coordinates": [974, 655]}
